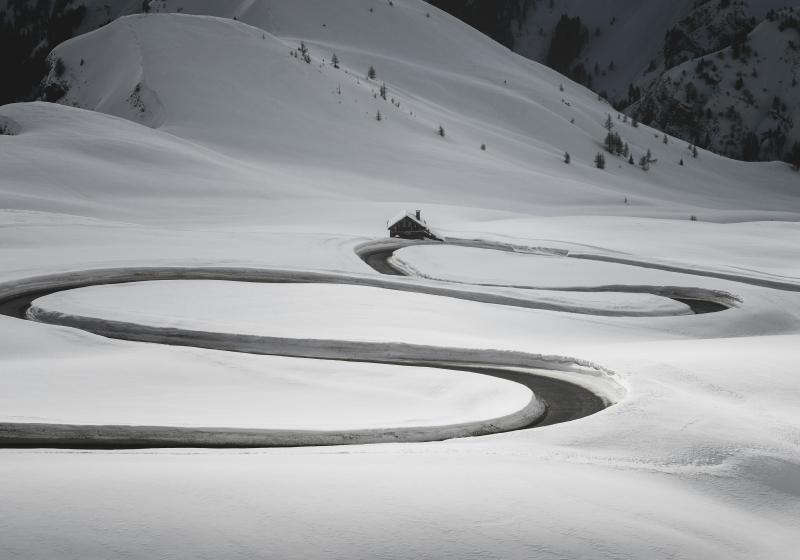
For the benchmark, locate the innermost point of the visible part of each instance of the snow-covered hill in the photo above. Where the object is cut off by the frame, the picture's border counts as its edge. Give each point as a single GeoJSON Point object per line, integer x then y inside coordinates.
{"type": "Point", "coordinates": [240, 90]}
{"type": "Point", "coordinates": [220, 134]}
{"type": "Point", "coordinates": [743, 100]}
{"type": "Point", "coordinates": [642, 38]}
{"type": "Point", "coordinates": [633, 49]}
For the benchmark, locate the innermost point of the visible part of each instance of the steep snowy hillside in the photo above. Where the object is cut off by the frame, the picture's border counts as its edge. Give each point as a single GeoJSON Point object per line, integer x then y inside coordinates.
{"type": "Point", "coordinates": [743, 100]}
{"type": "Point", "coordinates": [631, 42]}
{"type": "Point", "coordinates": [616, 41]}
{"type": "Point", "coordinates": [629, 50]}
{"type": "Point", "coordinates": [277, 113]}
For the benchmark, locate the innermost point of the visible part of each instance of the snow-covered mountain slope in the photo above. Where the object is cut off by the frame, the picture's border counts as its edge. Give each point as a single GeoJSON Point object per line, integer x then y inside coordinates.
{"type": "Point", "coordinates": [629, 49]}
{"type": "Point", "coordinates": [288, 129]}
{"type": "Point", "coordinates": [642, 38]}
{"type": "Point", "coordinates": [201, 141]}
{"type": "Point", "coordinates": [627, 33]}
{"type": "Point", "coordinates": [743, 100]}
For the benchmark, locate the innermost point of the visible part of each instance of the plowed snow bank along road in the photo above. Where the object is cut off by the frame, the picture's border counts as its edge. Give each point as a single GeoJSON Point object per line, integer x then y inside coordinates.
{"type": "Point", "coordinates": [560, 392]}
{"type": "Point", "coordinates": [379, 255]}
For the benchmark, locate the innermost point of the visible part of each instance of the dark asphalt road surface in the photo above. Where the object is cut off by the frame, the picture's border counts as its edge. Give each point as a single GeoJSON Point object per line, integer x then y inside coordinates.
{"type": "Point", "coordinates": [564, 402]}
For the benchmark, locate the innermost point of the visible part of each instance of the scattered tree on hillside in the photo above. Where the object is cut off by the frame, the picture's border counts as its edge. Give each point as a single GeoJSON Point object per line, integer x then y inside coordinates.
{"type": "Point", "coordinates": [614, 144]}
{"type": "Point", "coordinates": [647, 160]}
{"type": "Point", "coordinates": [441, 131]}
{"type": "Point", "coordinates": [609, 124]}
{"type": "Point", "coordinates": [567, 158]}
{"type": "Point", "coordinates": [371, 73]}
{"type": "Point", "coordinates": [483, 147]}
{"type": "Point", "coordinates": [383, 91]}
{"type": "Point", "coordinates": [665, 139]}
{"type": "Point", "coordinates": [304, 54]}
{"type": "Point", "coordinates": [335, 61]}
{"type": "Point", "coordinates": [630, 160]}
{"type": "Point", "coordinates": [680, 162]}
{"type": "Point", "coordinates": [793, 157]}
{"type": "Point", "coordinates": [600, 161]}
{"type": "Point", "coordinates": [634, 122]}
{"type": "Point", "coordinates": [378, 116]}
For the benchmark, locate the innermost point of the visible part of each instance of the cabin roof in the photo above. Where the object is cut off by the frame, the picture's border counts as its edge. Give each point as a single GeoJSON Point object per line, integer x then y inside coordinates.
{"type": "Point", "coordinates": [410, 215]}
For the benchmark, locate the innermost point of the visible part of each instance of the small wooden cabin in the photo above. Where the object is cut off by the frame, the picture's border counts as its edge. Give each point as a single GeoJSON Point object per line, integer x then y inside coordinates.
{"type": "Point", "coordinates": [410, 226]}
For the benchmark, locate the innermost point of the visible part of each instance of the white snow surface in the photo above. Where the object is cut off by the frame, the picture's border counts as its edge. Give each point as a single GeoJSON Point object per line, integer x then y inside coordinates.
{"type": "Point", "coordinates": [317, 311]}
{"type": "Point", "coordinates": [247, 156]}
{"type": "Point", "coordinates": [457, 264]}
{"type": "Point", "coordinates": [101, 382]}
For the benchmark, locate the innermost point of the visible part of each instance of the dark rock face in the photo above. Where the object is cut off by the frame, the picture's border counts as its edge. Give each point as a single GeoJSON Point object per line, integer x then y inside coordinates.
{"type": "Point", "coordinates": [28, 31]}
{"type": "Point", "coordinates": [740, 101]}
{"type": "Point", "coordinates": [569, 39]}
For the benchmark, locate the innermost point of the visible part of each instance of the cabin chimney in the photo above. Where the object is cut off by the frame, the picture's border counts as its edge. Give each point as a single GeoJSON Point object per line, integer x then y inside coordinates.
{"type": "Point", "coordinates": [419, 213]}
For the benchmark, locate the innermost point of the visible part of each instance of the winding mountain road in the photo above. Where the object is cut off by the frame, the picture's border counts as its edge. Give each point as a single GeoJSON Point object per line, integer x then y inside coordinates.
{"type": "Point", "coordinates": [555, 399]}
{"type": "Point", "coordinates": [378, 254]}
{"type": "Point", "coordinates": [558, 397]}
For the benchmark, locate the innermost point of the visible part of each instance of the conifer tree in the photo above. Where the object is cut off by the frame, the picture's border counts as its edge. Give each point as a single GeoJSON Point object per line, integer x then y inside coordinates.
{"type": "Point", "coordinates": [441, 131]}
{"type": "Point", "coordinates": [335, 61]}
{"type": "Point", "coordinates": [371, 73]}
{"type": "Point", "coordinates": [567, 158]}
{"type": "Point", "coordinates": [304, 54]}
{"type": "Point", "coordinates": [600, 161]}
{"type": "Point", "coordinates": [794, 156]}
{"type": "Point", "coordinates": [383, 91]}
